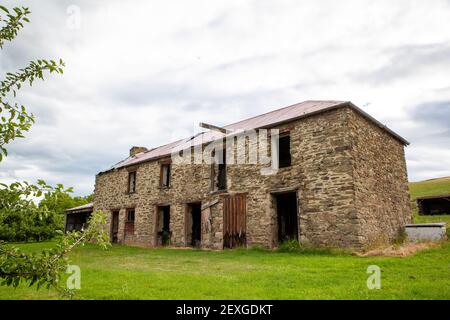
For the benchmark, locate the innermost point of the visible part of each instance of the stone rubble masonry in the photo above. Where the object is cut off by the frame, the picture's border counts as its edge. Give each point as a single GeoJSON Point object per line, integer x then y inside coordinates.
{"type": "Point", "coordinates": [349, 175]}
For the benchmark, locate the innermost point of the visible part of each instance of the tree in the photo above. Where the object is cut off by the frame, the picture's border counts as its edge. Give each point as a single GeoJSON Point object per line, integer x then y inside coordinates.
{"type": "Point", "coordinates": [21, 219]}
{"type": "Point", "coordinates": [14, 118]}
{"type": "Point", "coordinates": [59, 202]}
{"type": "Point", "coordinates": [16, 266]}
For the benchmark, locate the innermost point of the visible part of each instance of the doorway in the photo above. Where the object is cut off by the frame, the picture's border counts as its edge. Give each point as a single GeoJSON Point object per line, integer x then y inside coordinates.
{"type": "Point", "coordinates": [163, 233]}
{"type": "Point", "coordinates": [287, 216]}
{"type": "Point", "coordinates": [115, 227]}
{"type": "Point", "coordinates": [194, 224]}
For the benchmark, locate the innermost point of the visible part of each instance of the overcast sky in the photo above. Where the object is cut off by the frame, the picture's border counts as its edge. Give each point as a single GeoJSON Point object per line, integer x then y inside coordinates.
{"type": "Point", "coordinates": [146, 72]}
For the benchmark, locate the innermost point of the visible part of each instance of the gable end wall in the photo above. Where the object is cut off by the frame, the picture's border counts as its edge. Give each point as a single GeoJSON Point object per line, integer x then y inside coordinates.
{"type": "Point", "coordinates": [381, 183]}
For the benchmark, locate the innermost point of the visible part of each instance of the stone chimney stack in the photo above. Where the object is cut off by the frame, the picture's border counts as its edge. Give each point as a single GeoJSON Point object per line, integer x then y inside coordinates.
{"type": "Point", "coordinates": [135, 150]}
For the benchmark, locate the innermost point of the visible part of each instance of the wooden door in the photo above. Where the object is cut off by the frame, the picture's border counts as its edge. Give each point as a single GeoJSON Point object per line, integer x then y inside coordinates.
{"type": "Point", "coordinates": [115, 227]}
{"type": "Point", "coordinates": [234, 221]}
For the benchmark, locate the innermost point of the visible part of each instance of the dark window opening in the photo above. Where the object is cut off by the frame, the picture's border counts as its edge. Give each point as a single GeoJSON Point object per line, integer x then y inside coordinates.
{"type": "Point", "coordinates": [194, 225]}
{"type": "Point", "coordinates": [77, 221]}
{"type": "Point", "coordinates": [165, 175]}
{"type": "Point", "coordinates": [130, 215]}
{"type": "Point", "coordinates": [287, 217]}
{"type": "Point", "coordinates": [163, 234]}
{"type": "Point", "coordinates": [219, 171]}
{"type": "Point", "coordinates": [284, 151]}
{"type": "Point", "coordinates": [132, 182]}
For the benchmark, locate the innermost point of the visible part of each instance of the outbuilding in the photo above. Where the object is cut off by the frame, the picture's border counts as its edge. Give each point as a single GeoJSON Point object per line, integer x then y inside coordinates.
{"type": "Point", "coordinates": [76, 218]}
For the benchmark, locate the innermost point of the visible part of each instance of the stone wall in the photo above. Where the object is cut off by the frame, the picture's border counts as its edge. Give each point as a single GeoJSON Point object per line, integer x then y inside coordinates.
{"type": "Point", "coordinates": [381, 184]}
{"type": "Point", "coordinates": [336, 195]}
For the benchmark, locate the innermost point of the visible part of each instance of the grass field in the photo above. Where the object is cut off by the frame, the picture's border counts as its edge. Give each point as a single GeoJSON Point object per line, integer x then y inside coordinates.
{"type": "Point", "coordinates": [431, 187]}
{"type": "Point", "coordinates": [136, 273]}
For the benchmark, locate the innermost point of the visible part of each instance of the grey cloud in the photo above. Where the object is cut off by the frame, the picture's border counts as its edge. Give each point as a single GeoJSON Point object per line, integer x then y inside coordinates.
{"type": "Point", "coordinates": [79, 129]}
{"type": "Point", "coordinates": [433, 113]}
{"type": "Point", "coordinates": [407, 61]}
{"type": "Point", "coordinates": [432, 121]}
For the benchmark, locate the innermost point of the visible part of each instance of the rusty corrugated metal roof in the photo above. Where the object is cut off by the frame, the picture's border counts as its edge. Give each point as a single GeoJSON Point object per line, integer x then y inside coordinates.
{"type": "Point", "coordinates": [83, 208]}
{"type": "Point", "coordinates": [266, 120]}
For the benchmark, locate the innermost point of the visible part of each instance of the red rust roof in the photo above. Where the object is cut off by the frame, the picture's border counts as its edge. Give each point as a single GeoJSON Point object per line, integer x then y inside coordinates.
{"type": "Point", "coordinates": [266, 120]}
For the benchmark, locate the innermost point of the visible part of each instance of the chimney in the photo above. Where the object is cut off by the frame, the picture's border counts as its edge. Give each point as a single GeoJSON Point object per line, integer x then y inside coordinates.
{"type": "Point", "coordinates": [135, 150]}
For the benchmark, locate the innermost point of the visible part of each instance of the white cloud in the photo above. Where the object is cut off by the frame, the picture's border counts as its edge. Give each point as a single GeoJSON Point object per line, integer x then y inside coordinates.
{"type": "Point", "coordinates": [146, 72]}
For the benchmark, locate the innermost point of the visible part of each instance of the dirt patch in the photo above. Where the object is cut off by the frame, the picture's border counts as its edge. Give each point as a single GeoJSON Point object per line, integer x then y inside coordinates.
{"type": "Point", "coordinates": [404, 250]}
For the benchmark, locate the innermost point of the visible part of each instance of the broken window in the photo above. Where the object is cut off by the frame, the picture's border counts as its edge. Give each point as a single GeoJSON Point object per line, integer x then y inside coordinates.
{"type": "Point", "coordinates": [132, 182]}
{"type": "Point", "coordinates": [130, 215]}
{"type": "Point", "coordinates": [129, 223]}
{"type": "Point", "coordinates": [284, 150]}
{"type": "Point", "coordinates": [165, 175]}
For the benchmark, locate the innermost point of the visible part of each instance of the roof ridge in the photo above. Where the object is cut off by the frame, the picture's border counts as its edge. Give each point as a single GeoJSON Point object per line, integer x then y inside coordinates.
{"type": "Point", "coordinates": [281, 115]}
{"type": "Point", "coordinates": [279, 109]}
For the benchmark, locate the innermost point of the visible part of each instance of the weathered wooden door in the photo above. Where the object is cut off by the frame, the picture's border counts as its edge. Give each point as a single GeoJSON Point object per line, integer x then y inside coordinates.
{"type": "Point", "coordinates": [115, 227]}
{"type": "Point", "coordinates": [234, 221]}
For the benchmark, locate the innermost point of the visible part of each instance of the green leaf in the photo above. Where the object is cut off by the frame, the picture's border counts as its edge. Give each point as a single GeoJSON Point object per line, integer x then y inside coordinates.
{"type": "Point", "coordinates": [4, 9]}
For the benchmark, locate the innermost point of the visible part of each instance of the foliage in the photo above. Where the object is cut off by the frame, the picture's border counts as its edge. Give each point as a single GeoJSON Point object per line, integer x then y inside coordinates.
{"type": "Point", "coordinates": [59, 202]}
{"type": "Point", "coordinates": [46, 267]}
{"type": "Point", "coordinates": [21, 219]}
{"type": "Point", "coordinates": [14, 118]}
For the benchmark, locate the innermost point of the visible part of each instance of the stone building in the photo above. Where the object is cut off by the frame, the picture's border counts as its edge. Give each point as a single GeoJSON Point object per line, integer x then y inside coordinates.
{"type": "Point", "coordinates": [328, 174]}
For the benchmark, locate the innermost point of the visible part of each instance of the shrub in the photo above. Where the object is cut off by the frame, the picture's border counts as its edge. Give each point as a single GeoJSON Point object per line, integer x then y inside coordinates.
{"type": "Point", "coordinates": [21, 219]}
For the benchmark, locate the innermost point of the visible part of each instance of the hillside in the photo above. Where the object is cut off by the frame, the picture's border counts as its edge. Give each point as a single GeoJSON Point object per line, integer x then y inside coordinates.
{"type": "Point", "coordinates": [432, 187]}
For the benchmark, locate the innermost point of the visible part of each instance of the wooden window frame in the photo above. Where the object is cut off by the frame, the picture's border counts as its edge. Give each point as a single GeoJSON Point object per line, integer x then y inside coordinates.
{"type": "Point", "coordinates": [133, 172]}
{"type": "Point", "coordinates": [162, 164]}
{"type": "Point", "coordinates": [129, 224]}
{"type": "Point", "coordinates": [127, 215]}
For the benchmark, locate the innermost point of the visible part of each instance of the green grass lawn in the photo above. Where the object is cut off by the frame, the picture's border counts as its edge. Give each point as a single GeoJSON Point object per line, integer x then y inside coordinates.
{"type": "Point", "coordinates": [138, 273]}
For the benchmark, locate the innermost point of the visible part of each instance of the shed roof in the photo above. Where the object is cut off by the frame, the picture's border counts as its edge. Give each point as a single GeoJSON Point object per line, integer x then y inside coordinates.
{"type": "Point", "coordinates": [83, 208]}
{"type": "Point", "coordinates": [265, 120]}
{"type": "Point", "coordinates": [438, 197]}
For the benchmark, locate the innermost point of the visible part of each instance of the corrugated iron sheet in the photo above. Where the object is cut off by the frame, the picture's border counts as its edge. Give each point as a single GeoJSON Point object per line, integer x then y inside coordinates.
{"type": "Point", "coordinates": [272, 118]}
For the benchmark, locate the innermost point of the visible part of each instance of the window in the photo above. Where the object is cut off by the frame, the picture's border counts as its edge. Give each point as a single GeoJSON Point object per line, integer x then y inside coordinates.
{"type": "Point", "coordinates": [165, 175]}
{"type": "Point", "coordinates": [130, 215]}
{"type": "Point", "coordinates": [219, 171]}
{"type": "Point", "coordinates": [129, 224]}
{"type": "Point", "coordinates": [284, 151]}
{"type": "Point", "coordinates": [132, 182]}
